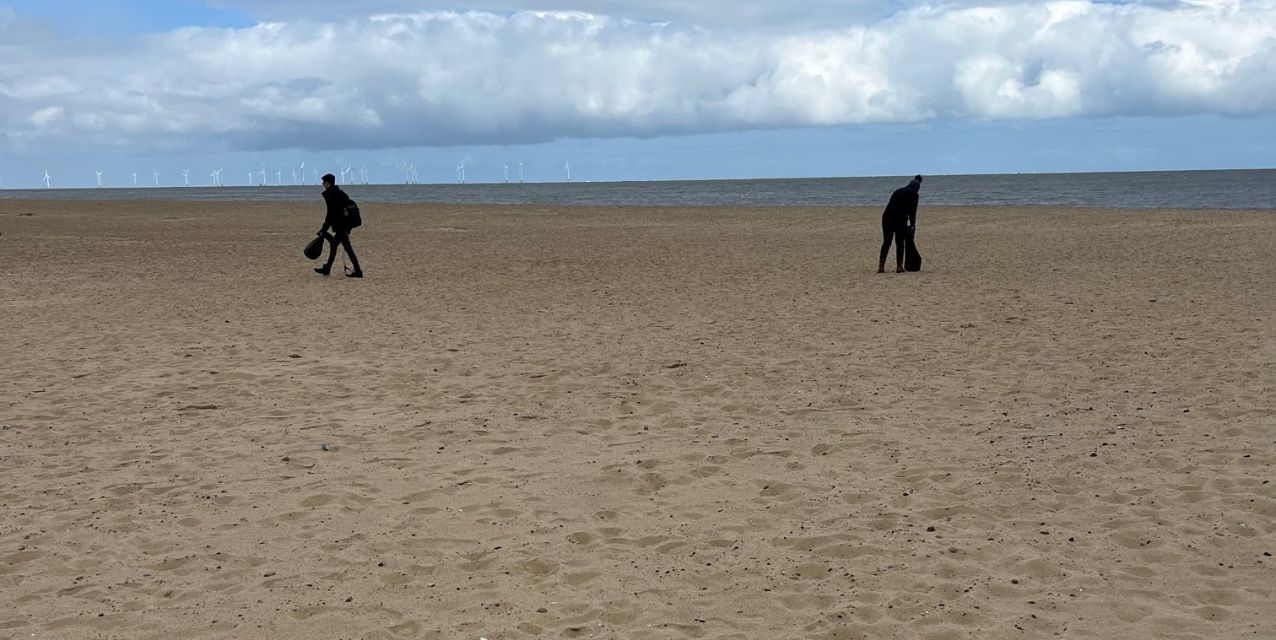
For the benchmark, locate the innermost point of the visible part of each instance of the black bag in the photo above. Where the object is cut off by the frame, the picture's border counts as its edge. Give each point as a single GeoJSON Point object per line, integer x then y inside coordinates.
{"type": "Point", "coordinates": [912, 258]}
{"type": "Point", "coordinates": [314, 248]}
{"type": "Point", "coordinates": [353, 217]}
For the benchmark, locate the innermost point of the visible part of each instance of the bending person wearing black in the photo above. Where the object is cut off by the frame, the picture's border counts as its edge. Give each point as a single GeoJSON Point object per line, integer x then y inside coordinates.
{"type": "Point", "coordinates": [898, 218]}
{"type": "Point", "coordinates": [336, 199]}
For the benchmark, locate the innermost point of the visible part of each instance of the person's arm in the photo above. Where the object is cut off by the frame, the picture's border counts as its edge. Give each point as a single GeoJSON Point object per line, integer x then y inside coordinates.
{"type": "Point", "coordinates": [327, 215]}
{"type": "Point", "coordinates": [912, 211]}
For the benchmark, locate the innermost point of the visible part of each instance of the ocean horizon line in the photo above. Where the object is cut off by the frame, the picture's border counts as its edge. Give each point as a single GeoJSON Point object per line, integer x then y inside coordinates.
{"type": "Point", "coordinates": [142, 187]}
{"type": "Point", "coordinates": [1177, 189]}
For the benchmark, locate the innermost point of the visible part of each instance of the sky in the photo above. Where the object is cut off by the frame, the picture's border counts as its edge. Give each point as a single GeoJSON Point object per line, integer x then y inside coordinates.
{"type": "Point", "coordinates": [144, 90]}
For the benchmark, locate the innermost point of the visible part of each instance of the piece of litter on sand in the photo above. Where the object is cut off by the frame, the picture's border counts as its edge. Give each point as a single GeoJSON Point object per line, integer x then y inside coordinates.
{"type": "Point", "coordinates": [324, 447]}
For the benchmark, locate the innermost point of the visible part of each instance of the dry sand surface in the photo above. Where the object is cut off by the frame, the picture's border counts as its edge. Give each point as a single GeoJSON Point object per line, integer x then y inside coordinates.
{"type": "Point", "coordinates": [628, 423]}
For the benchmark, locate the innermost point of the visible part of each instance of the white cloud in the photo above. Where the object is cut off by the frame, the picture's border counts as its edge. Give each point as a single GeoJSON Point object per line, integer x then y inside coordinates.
{"type": "Point", "coordinates": [734, 13]}
{"type": "Point", "coordinates": [442, 78]}
{"type": "Point", "coordinates": [47, 117]}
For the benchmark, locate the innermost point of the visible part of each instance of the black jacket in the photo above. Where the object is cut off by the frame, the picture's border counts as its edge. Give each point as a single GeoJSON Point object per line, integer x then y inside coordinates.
{"type": "Point", "coordinates": [336, 200]}
{"type": "Point", "coordinates": [901, 211]}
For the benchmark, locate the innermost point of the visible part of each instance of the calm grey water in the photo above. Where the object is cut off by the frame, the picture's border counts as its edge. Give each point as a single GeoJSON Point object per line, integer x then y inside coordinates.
{"type": "Point", "coordinates": [1230, 189]}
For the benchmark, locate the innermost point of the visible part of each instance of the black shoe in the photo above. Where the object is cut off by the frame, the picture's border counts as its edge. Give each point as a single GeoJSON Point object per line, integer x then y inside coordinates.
{"type": "Point", "coordinates": [323, 271]}
{"type": "Point", "coordinates": [354, 274]}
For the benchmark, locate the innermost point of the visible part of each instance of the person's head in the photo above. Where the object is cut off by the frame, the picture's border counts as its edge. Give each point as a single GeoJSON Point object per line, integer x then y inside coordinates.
{"type": "Point", "coordinates": [916, 183]}
{"type": "Point", "coordinates": [329, 180]}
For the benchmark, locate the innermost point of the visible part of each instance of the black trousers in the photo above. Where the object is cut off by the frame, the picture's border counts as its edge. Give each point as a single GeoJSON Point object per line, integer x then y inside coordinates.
{"type": "Point", "coordinates": [891, 230]}
{"type": "Point", "coordinates": [343, 238]}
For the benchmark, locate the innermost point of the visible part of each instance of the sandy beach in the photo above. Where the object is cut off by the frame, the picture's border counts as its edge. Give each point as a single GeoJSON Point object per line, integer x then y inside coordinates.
{"type": "Point", "coordinates": [599, 422]}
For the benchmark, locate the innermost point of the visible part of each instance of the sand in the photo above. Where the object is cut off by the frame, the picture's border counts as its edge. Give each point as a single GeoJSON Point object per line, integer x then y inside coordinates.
{"type": "Point", "coordinates": [546, 422]}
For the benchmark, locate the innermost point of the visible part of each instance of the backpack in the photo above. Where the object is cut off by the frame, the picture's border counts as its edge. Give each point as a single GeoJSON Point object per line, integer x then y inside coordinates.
{"type": "Point", "coordinates": [353, 217]}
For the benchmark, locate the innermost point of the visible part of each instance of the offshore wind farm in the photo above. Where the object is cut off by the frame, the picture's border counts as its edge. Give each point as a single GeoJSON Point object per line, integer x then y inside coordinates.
{"type": "Point", "coordinates": [261, 176]}
{"type": "Point", "coordinates": [404, 172]}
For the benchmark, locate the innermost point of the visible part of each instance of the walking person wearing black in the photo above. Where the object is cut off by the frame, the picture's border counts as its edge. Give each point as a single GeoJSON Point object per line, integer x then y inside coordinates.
{"type": "Point", "coordinates": [336, 200]}
{"type": "Point", "coordinates": [898, 220]}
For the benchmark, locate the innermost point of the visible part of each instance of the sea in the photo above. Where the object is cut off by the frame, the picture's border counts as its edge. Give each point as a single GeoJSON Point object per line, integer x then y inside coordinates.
{"type": "Point", "coordinates": [1220, 189]}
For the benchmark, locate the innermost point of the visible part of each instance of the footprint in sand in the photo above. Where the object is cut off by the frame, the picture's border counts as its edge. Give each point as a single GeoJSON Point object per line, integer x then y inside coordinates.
{"type": "Point", "coordinates": [580, 537]}
{"type": "Point", "coordinates": [1129, 612]}
{"type": "Point", "coordinates": [580, 578]}
{"type": "Point", "coordinates": [779, 490]}
{"type": "Point", "coordinates": [1221, 597]}
{"type": "Point", "coordinates": [539, 567]}
{"type": "Point", "coordinates": [409, 629]}
{"type": "Point", "coordinates": [1212, 613]}
{"type": "Point", "coordinates": [317, 500]}
{"type": "Point", "coordinates": [21, 557]}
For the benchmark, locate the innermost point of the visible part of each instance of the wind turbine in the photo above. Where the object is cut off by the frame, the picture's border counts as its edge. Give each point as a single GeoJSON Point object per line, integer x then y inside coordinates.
{"type": "Point", "coordinates": [363, 172]}
{"type": "Point", "coordinates": [186, 177]}
{"type": "Point", "coordinates": [347, 174]}
{"type": "Point", "coordinates": [300, 175]}
{"type": "Point", "coordinates": [217, 177]}
{"type": "Point", "coordinates": [507, 173]}
{"type": "Point", "coordinates": [99, 179]}
{"type": "Point", "coordinates": [156, 172]}
{"type": "Point", "coordinates": [568, 168]}
{"type": "Point", "coordinates": [250, 179]}
{"type": "Point", "coordinates": [263, 177]}
{"type": "Point", "coordinates": [48, 180]}
{"type": "Point", "coordinates": [460, 172]}
{"type": "Point", "coordinates": [520, 172]}
{"type": "Point", "coordinates": [279, 177]}
{"type": "Point", "coordinates": [134, 179]}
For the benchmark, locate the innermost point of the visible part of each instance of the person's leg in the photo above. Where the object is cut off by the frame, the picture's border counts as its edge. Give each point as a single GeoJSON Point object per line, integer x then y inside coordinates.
{"type": "Point", "coordinates": [332, 256]}
{"type": "Point", "coordinates": [887, 234]}
{"type": "Point", "coordinates": [354, 262]}
{"type": "Point", "coordinates": [899, 250]}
